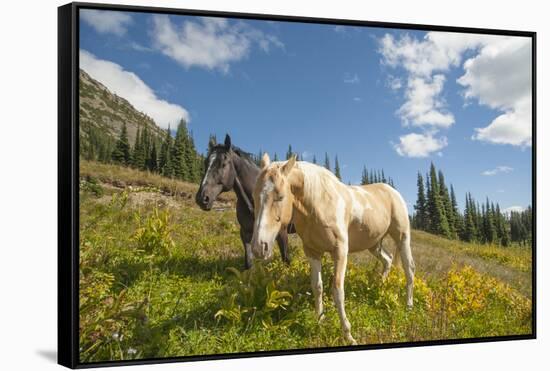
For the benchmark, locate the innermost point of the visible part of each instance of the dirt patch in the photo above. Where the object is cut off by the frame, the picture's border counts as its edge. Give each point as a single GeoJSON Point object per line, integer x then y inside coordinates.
{"type": "Point", "coordinates": [137, 197]}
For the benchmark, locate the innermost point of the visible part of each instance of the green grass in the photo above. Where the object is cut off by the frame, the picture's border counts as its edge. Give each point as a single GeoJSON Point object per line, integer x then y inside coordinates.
{"type": "Point", "coordinates": [514, 257]}
{"type": "Point", "coordinates": [159, 278]}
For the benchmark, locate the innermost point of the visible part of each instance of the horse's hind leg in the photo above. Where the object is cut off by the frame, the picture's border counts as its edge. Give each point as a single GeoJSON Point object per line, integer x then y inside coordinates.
{"type": "Point", "coordinates": [403, 241]}
{"type": "Point", "coordinates": [384, 257]}
{"type": "Point", "coordinates": [282, 240]}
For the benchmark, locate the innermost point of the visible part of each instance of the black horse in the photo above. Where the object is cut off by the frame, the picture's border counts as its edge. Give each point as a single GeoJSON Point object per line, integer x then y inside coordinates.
{"type": "Point", "coordinates": [230, 168]}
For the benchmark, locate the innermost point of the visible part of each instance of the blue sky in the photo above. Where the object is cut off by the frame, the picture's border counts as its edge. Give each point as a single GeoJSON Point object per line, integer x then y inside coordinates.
{"type": "Point", "coordinates": [391, 99]}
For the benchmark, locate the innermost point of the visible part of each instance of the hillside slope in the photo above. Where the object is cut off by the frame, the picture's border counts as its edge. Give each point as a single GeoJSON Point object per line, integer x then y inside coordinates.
{"type": "Point", "coordinates": [102, 114]}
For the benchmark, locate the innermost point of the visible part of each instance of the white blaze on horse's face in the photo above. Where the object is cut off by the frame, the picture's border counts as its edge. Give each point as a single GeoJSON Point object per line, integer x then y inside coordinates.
{"type": "Point", "coordinates": [211, 160]}
{"type": "Point", "coordinates": [272, 205]}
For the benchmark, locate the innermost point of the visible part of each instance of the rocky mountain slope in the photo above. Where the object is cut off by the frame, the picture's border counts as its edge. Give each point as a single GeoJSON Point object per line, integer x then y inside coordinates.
{"type": "Point", "coordinates": [102, 113]}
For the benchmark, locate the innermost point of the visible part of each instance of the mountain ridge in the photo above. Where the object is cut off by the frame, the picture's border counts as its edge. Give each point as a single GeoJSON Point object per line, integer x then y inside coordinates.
{"type": "Point", "coordinates": [102, 114]}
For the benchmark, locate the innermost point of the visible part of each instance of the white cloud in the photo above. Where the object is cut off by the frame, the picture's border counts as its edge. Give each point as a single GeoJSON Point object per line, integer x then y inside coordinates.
{"type": "Point", "coordinates": [129, 86]}
{"type": "Point", "coordinates": [352, 79]}
{"type": "Point", "coordinates": [423, 105]}
{"type": "Point", "coordinates": [357, 99]}
{"type": "Point", "coordinates": [511, 209]}
{"type": "Point", "coordinates": [419, 145]}
{"type": "Point", "coordinates": [138, 47]}
{"type": "Point", "coordinates": [306, 155]}
{"type": "Point", "coordinates": [107, 21]}
{"type": "Point", "coordinates": [425, 61]}
{"type": "Point", "coordinates": [498, 170]}
{"type": "Point", "coordinates": [211, 43]}
{"type": "Point", "coordinates": [394, 83]}
{"type": "Point", "coordinates": [498, 75]}
{"type": "Point", "coordinates": [512, 127]}
{"type": "Point", "coordinates": [437, 51]}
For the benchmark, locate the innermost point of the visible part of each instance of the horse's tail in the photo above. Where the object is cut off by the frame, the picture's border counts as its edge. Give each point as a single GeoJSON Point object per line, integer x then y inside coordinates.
{"type": "Point", "coordinates": [397, 258]}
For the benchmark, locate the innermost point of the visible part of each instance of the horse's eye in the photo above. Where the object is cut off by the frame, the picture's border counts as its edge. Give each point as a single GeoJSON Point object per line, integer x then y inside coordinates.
{"type": "Point", "coordinates": [278, 218]}
{"type": "Point", "coordinates": [278, 199]}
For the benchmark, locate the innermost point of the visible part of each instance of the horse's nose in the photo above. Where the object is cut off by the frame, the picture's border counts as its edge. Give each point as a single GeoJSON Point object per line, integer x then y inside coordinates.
{"type": "Point", "coordinates": [205, 200]}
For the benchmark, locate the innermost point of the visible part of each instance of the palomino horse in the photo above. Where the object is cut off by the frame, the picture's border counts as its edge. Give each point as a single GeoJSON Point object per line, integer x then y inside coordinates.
{"type": "Point", "coordinates": [228, 167]}
{"type": "Point", "coordinates": [332, 217]}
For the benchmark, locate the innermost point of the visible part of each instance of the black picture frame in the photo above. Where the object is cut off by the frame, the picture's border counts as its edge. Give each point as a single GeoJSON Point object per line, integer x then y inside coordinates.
{"type": "Point", "coordinates": [68, 181]}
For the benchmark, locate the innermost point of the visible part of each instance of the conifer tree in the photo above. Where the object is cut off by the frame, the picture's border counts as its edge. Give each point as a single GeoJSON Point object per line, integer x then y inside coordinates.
{"type": "Point", "coordinates": [447, 205]}
{"type": "Point", "coordinates": [121, 153]}
{"type": "Point", "coordinates": [137, 156]}
{"type": "Point", "coordinates": [337, 168]}
{"type": "Point", "coordinates": [421, 207]}
{"type": "Point", "coordinates": [165, 163]}
{"type": "Point", "coordinates": [190, 159]}
{"type": "Point", "coordinates": [458, 222]}
{"type": "Point", "coordinates": [364, 176]}
{"type": "Point", "coordinates": [145, 148]}
{"type": "Point", "coordinates": [479, 222]}
{"type": "Point", "coordinates": [438, 221]}
{"type": "Point", "coordinates": [153, 159]}
{"type": "Point", "coordinates": [469, 234]}
{"type": "Point", "coordinates": [327, 162]}
{"type": "Point", "coordinates": [505, 237]}
{"type": "Point", "coordinates": [314, 159]}
{"type": "Point", "coordinates": [275, 158]}
{"type": "Point", "coordinates": [178, 151]}
{"type": "Point", "coordinates": [289, 152]}
{"type": "Point", "coordinates": [489, 223]}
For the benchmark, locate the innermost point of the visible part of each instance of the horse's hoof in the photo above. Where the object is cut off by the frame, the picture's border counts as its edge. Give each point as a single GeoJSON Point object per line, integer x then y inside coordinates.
{"type": "Point", "coordinates": [351, 340]}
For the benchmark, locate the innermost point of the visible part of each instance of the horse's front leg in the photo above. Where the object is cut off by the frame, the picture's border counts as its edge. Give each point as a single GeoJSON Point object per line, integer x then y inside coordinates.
{"type": "Point", "coordinates": [316, 285]}
{"type": "Point", "coordinates": [282, 240]}
{"type": "Point", "coordinates": [340, 257]}
{"type": "Point", "coordinates": [246, 239]}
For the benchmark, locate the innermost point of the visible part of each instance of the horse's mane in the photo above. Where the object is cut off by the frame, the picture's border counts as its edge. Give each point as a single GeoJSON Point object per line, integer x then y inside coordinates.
{"type": "Point", "coordinates": [243, 154]}
{"type": "Point", "coordinates": [318, 181]}
{"type": "Point", "coordinates": [247, 156]}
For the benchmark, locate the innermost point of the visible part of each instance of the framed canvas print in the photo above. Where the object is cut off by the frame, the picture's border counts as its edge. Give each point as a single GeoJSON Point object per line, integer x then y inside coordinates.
{"type": "Point", "coordinates": [237, 185]}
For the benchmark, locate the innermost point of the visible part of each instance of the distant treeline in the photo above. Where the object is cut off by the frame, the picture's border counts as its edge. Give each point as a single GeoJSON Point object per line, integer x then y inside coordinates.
{"type": "Point", "coordinates": [174, 157]}
{"type": "Point", "coordinates": [367, 177]}
{"type": "Point", "coordinates": [436, 211]}
{"type": "Point", "coordinates": [436, 208]}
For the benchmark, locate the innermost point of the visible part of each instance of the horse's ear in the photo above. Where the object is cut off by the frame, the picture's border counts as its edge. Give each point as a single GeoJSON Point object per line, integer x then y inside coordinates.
{"type": "Point", "coordinates": [288, 165]}
{"type": "Point", "coordinates": [265, 161]}
{"type": "Point", "coordinates": [227, 142]}
{"type": "Point", "coordinates": [211, 142]}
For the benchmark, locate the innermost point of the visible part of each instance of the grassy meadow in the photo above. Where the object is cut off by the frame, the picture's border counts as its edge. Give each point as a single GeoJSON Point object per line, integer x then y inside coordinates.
{"type": "Point", "coordinates": [161, 278]}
